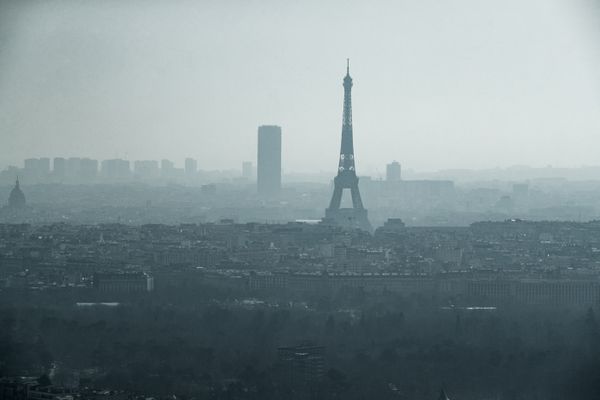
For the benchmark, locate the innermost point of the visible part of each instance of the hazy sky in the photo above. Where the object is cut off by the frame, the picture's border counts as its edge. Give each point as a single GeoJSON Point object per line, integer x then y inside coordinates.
{"type": "Point", "coordinates": [437, 84]}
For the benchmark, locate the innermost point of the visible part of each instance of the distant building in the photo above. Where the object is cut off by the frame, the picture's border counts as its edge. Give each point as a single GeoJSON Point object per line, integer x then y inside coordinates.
{"type": "Point", "coordinates": [392, 226]}
{"type": "Point", "coordinates": [30, 164]}
{"type": "Point", "coordinates": [59, 167]}
{"type": "Point", "coordinates": [302, 366]}
{"type": "Point", "coordinates": [88, 169]}
{"type": "Point", "coordinates": [247, 170]}
{"type": "Point", "coordinates": [16, 387]}
{"type": "Point", "coordinates": [166, 164]}
{"type": "Point", "coordinates": [45, 165]}
{"type": "Point", "coordinates": [16, 199]}
{"type": "Point", "coordinates": [393, 172]}
{"type": "Point", "coordinates": [167, 168]}
{"type": "Point", "coordinates": [36, 168]}
{"type": "Point", "coordinates": [210, 189]}
{"type": "Point", "coordinates": [29, 388]}
{"type": "Point", "coordinates": [73, 167]}
{"type": "Point", "coordinates": [146, 169]}
{"type": "Point", "coordinates": [269, 160]}
{"type": "Point", "coordinates": [124, 282]}
{"type": "Point", "coordinates": [191, 166]}
{"type": "Point", "coordinates": [116, 169]}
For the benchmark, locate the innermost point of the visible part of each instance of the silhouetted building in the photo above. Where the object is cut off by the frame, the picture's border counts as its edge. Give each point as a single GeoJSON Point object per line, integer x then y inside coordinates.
{"type": "Point", "coordinates": [268, 177]}
{"type": "Point", "coordinates": [393, 172]}
{"type": "Point", "coordinates": [191, 166]}
{"type": "Point", "coordinates": [16, 199]}
{"type": "Point", "coordinates": [355, 217]}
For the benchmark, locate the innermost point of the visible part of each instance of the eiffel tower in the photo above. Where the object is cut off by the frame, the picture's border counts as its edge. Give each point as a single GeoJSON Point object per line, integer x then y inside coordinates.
{"type": "Point", "coordinates": [355, 217]}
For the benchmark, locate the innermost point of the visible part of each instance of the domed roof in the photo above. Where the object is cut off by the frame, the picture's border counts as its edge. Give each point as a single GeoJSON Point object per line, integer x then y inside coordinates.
{"type": "Point", "coordinates": [16, 199]}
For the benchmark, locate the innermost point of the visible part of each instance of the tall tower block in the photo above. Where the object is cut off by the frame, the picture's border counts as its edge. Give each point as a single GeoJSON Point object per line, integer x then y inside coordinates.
{"type": "Point", "coordinates": [269, 160]}
{"type": "Point", "coordinates": [355, 217]}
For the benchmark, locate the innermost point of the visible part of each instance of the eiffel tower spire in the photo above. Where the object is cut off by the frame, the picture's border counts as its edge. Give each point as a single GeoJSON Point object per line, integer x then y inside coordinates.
{"type": "Point", "coordinates": [355, 217]}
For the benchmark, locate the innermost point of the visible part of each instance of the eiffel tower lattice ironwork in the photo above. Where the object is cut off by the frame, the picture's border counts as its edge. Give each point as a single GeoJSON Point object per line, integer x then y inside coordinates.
{"type": "Point", "coordinates": [355, 217]}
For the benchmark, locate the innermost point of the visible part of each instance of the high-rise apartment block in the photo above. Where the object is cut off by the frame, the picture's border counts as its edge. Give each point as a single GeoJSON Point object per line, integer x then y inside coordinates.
{"type": "Point", "coordinates": [36, 168]}
{"type": "Point", "coordinates": [59, 167]}
{"type": "Point", "coordinates": [191, 166]}
{"type": "Point", "coordinates": [146, 169]}
{"type": "Point", "coordinates": [268, 177]}
{"type": "Point", "coordinates": [88, 169]}
{"type": "Point", "coordinates": [393, 172]}
{"type": "Point", "coordinates": [116, 169]}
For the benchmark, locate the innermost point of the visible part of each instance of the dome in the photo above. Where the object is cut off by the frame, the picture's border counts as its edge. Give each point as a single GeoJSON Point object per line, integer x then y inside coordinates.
{"type": "Point", "coordinates": [17, 197]}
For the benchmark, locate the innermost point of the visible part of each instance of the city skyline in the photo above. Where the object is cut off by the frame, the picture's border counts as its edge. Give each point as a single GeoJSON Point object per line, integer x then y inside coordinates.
{"type": "Point", "coordinates": [179, 218]}
{"type": "Point", "coordinates": [513, 89]}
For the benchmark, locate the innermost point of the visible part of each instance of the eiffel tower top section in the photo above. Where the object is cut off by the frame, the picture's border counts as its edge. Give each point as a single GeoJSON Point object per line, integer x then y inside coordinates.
{"type": "Point", "coordinates": [347, 120]}
{"type": "Point", "coordinates": [346, 163]}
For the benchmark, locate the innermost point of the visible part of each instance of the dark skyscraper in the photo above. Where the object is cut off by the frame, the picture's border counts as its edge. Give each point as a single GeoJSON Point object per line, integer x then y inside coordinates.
{"type": "Point", "coordinates": [269, 160]}
{"type": "Point", "coordinates": [355, 217]}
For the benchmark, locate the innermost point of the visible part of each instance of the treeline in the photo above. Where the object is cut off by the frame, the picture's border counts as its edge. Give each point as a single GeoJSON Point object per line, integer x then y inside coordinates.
{"type": "Point", "coordinates": [376, 347]}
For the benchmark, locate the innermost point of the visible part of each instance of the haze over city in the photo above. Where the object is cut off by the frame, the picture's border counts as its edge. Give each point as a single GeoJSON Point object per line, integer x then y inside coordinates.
{"type": "Point", "coordinates": [438, 85]}
{"type": "Point", "coordinates": [244, 199]}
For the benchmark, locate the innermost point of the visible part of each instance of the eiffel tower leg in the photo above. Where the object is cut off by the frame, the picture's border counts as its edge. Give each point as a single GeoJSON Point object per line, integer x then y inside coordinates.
{"type": "Point", "coordinates": [356, 200]}
{"type": "Point", "coordinates": [336, 199]}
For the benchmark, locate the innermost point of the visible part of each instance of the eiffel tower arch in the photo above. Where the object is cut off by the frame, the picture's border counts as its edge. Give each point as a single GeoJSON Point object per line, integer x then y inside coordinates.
{"type": "Point", "coordinates": [355, 217]}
